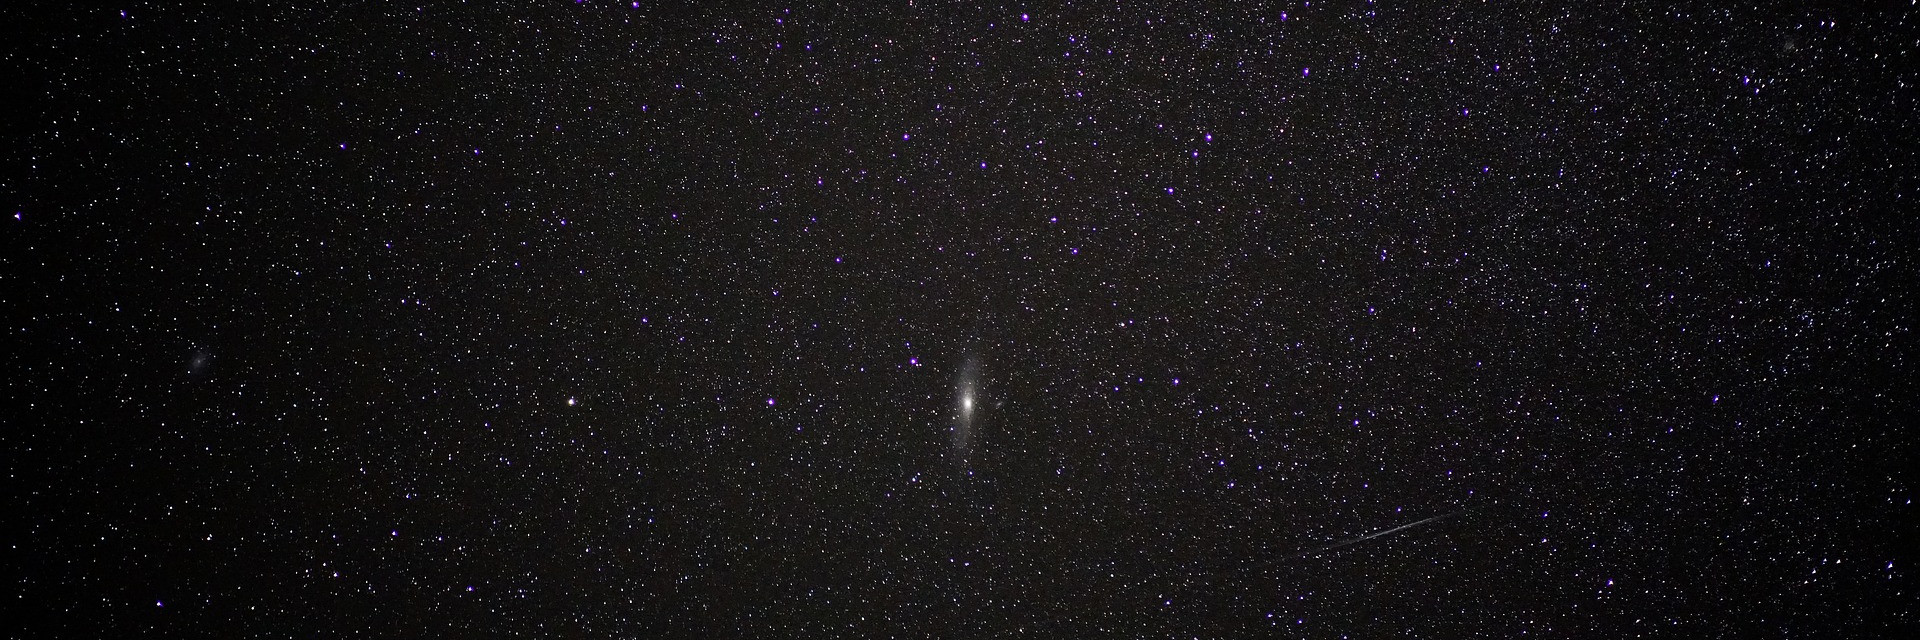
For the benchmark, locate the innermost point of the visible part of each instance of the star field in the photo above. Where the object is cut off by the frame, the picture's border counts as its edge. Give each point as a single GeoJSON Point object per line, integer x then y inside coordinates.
{"type": "Point", "coordinates": [640, 319]}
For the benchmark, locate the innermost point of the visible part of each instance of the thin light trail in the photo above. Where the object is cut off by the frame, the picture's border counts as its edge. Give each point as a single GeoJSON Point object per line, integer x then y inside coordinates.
{"type": "Point", "coordinates": [1353, 541]}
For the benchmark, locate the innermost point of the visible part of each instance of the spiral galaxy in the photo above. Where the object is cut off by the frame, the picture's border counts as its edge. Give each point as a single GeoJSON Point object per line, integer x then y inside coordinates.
{"type": "Point", "coordinates": [967, 399]}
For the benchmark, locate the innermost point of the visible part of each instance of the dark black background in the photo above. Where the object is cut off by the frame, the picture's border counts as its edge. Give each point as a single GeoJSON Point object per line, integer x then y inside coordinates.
{"type": "Point", "coordinates": [587, 320]}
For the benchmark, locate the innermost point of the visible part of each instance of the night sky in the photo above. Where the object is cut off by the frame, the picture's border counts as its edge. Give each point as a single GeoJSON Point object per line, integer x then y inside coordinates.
{"type": "Point", "coordinates": [1300, 319]}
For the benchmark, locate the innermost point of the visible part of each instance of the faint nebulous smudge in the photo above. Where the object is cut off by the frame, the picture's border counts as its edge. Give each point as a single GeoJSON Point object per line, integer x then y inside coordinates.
{"type": "Point", "coordinates": [967, 409]}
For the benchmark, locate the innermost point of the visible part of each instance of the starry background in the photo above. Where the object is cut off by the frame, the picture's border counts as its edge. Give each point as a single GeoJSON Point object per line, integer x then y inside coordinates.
{"type": "Point", "coordinates": [617, 319]}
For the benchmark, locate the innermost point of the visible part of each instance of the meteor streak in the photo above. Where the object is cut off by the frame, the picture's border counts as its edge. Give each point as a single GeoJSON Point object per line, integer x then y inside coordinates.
{"type": "Point", "coordinates": [1353, 541]}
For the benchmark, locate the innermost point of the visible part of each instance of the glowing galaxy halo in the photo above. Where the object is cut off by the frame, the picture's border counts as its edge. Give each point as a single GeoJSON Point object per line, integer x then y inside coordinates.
{"type": "Point", "coordinates": [967, 409]}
